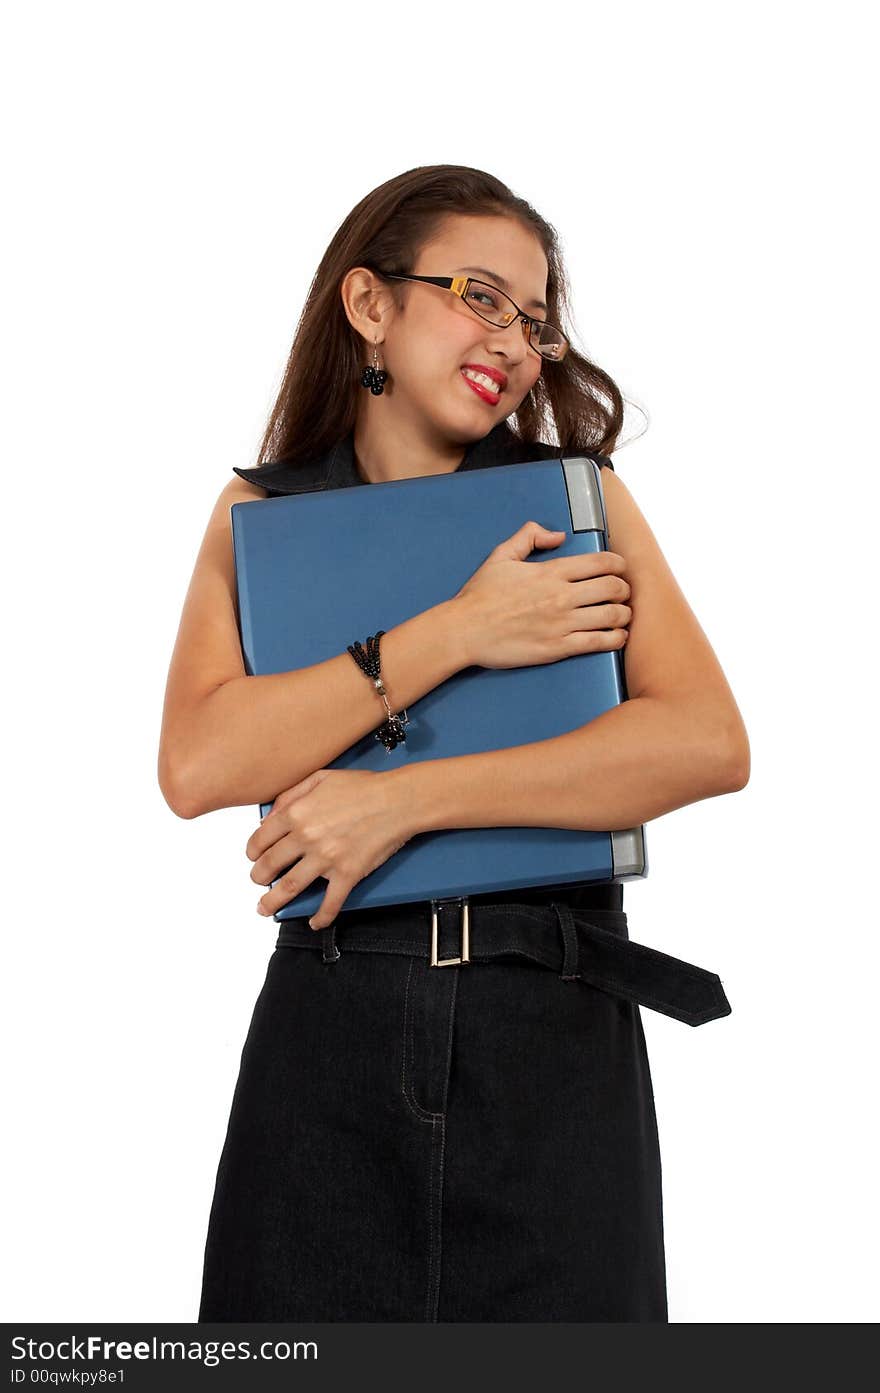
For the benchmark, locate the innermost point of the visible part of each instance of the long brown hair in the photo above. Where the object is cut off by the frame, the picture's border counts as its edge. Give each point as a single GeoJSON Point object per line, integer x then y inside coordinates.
{"type": "Point", "coordinates": [317, 402]}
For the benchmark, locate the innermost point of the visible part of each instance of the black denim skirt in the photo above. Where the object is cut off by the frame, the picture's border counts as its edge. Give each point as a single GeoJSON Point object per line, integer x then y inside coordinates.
{"type": "Point", "coordinates": [464, 1142]}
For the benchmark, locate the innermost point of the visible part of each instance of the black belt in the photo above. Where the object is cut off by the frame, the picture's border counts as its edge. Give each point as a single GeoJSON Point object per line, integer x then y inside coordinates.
{"type": "Point", "coordinates": [591, 946]}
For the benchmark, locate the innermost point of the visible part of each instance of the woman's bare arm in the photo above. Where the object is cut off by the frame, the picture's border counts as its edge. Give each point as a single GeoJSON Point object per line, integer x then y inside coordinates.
{"type": "Point", "coordinates": [229, 739]}
{"type": "Point", "coordinates": [678, 739]}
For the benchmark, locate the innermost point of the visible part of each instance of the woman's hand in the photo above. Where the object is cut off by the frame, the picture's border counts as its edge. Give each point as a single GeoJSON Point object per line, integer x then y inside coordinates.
{"type": "Point", "coordinates": [337, 823]}
{"type": "Point", "coordinates": [518, 613]}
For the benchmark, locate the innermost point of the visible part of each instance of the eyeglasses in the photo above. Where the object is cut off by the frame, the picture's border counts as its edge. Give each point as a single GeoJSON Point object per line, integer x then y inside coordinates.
{"type": "Point", "coordinates": [496, 308]}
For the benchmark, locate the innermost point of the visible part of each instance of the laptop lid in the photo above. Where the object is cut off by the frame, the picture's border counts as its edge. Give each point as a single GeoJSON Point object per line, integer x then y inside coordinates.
{"type": "Point", "coordinates": [317, 570]}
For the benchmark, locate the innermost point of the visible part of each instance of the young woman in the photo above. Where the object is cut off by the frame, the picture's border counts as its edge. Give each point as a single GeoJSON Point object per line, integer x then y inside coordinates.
{"type": "Point", "coordinates": [475, 1141]}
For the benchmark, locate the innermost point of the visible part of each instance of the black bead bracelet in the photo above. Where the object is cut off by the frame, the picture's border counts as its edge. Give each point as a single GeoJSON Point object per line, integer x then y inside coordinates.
{"type": "Point", "coordinates": [391, 732]}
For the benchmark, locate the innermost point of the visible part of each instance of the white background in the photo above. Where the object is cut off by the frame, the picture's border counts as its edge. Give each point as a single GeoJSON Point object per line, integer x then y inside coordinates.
{"type": "Point", "coordinates": [173, 174]}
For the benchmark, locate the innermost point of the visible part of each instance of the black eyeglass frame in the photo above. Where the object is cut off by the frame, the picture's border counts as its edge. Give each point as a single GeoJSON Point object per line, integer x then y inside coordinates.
{"type": "Point", "coordinates": [459, 286]}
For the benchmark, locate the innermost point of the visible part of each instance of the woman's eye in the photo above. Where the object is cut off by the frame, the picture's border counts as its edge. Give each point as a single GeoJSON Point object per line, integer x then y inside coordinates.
{"type": "Point", "coordinates": [484, 296]}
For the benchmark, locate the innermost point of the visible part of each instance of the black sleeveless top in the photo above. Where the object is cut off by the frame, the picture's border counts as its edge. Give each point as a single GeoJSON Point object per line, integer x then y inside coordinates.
{"type": "Point", "coordinates": [338, 469]}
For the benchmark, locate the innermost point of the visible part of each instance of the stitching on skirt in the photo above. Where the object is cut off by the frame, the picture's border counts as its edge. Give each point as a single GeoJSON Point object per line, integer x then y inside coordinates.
{"type": "Point", "coordinates": [639, 998]}
{"type": "Point", "coordinates": [438, 1154]}
{"type": "Point", "coordinates": [534, 912]}
{"type": "Point", "coordinates": [476, 956]}
{"type": "Point", "coordinates": [412, 1102]}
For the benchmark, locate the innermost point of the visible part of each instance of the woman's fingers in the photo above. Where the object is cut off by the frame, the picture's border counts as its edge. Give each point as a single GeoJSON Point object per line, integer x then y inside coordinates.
{"type": "Point", "coordinates": [268, 831]}
{"type": "Point", "coordinates": [281, 856]}
{"type": "Point", "coordinates": [600, 590]}
{"type": "Point", "coordinates": [291, 884]}
{"type": "Point", "coordinates": [338, 892]}
{"type": "Point", "coordinates": [610, 616]}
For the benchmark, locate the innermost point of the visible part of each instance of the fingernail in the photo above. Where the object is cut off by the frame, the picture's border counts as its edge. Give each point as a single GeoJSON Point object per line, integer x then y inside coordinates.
{"type": "Point", "coordinates": [261, 910]}
{"type": "Point", "coordinates": [312, 924]}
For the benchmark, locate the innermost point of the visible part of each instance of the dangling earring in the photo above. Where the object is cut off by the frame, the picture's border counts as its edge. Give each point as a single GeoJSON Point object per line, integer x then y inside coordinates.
{"type": "Point", "coordinates": [373, 376]}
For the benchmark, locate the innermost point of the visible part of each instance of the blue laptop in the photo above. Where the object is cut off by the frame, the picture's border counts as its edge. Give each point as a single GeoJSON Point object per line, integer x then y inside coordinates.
{"type": "Point", "coordinates": [316, 570]}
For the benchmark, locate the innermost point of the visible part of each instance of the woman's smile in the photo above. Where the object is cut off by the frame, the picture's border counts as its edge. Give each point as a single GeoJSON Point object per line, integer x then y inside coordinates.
{"type": "Point", "coordinates": [492, 398]}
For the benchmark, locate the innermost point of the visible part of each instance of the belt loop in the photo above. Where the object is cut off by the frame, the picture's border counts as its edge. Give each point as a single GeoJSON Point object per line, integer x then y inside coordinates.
{"type": "Point", "coordinates": [328, 943]}
{"type": "Point", "coordinates": [569, 971]}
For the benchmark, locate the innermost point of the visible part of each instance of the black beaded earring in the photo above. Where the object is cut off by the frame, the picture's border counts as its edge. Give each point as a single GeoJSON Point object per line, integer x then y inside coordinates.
{"type": "Point", "coordinates": [373, 376]}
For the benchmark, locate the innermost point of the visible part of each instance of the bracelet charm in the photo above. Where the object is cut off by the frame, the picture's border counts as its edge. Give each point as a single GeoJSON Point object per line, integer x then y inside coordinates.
{"type": "Point", "coordinates": [392, 731]}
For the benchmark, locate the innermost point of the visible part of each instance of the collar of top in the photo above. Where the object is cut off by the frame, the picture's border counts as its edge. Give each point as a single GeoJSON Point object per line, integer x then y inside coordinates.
{"type": "Point", "coordinates": [338, 468]}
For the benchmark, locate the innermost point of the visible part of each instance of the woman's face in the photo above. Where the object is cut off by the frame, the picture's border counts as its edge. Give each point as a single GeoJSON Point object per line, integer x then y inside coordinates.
{"type": "Point", "coordinates": [429, 341]}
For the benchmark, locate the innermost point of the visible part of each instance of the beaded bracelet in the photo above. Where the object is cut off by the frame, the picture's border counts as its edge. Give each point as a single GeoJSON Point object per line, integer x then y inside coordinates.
{"type": "Point", "coordinates": [391, 733]}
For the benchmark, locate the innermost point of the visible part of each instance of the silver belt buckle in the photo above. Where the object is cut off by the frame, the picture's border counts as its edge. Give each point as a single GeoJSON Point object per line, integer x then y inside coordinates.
{"type": "Point", "coordinates": [464, 925]}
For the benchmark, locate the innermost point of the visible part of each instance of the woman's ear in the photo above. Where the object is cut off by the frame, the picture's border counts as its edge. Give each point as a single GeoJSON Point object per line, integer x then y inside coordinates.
{"type": "Point", "coordinates": [367, 301]}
